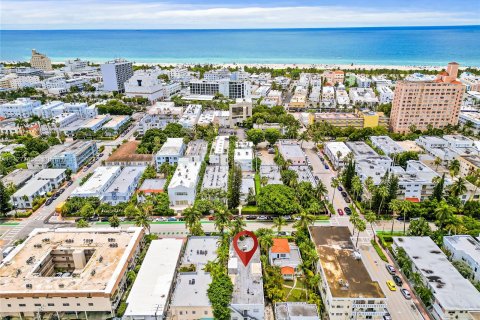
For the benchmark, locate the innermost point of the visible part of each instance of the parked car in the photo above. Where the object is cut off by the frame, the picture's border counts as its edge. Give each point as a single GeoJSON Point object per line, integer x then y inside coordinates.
{"type": "Point", "coordinates": [49, 201]}
{"type": "Point", "coordinates": [250, 217]}
{"type": "Point", "coordinates": [390, 269]}
{"type": "Point", "coordinates": [94, 218]}
{"type": "Point", "coordinates": [172, 219]}
{"type": "Point", "coordinates": [69, 183]}
{"type": "Point", "coordinates": [317, 178]}
{"type": "Point", "coordinates": [347, 200]}
{"type": "Point", "coordinates": [321, 159]}
{"type": "Point", "coordinates": [100, 155]}
{"type": "Point", "coordinates": [61, 191]}
{"type": "Point", "coordinates": [264, 218]}
{"type": "Point", "coordinates": [340, 211]}
{"type": "Point", "coordinates": [104, 219]}
{"type": "Point", "coordinates": [211, 218]}
{"type": "Point", "coordinates": [391, 285]}
{"type": "Point", "coordinates": [344, 194]}
{"type": "Point", "coordinates": [406, 294]}
{"type": "Point", "coordinates": [288, 218]}
{"type": "Point", "coordinates": [259, 154]}
{"type": "Point", "coordinates": [271, 151]}
{"type": "Point", "coordinates": [327, 167]}
{"type": "Point", "coordinates": [348, 211]}
{"type": "Point", "coordinates": [397, 280]}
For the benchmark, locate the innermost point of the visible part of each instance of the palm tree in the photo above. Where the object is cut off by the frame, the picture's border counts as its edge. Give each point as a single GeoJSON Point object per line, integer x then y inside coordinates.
{"type": "Point", "coordinates": [443, 213]}
{"type": "Point", "coordinates": [454, 225]}
{"type": "Point", "coordinates": [278, 223]}
{"type": "Point", "coordinates": [142, 220]}
{"type": "Point", "coordinates": [22, 124]}
{"type": "Point", "coordinates": [191, 217]}
{"type": "Point", "coordinates": [454, 167]}
{"type": "Point", "coordinates": [383, 193]}
{"type": "Point", "coordinates": [221, 218]}
{"type": "Point", "coordinates": [320, 190]}
{"type": "Point", "coordinates": [238, 225]}
{"type": "Point", "coordinates": [361, 226]}
{"type": "Point", "coordinates": [354, 217]}
{"type": "Point", "coordinates": [371, 218]}
{"type": "Point", "coordinates": [369, 185]}
{"type": "Point", "coordinates": [196, 229]}
{"type": "Point", "coordinates": [263, 181]}
{"type": "Point", "coordinates": [437, 162]}
{"type": "Point", "coordinates": [82, 223]}
{"type": "Point", "coordinates": [356, 186]}
{"type": "Point", "coordinates": [405, 207]}
{"type": "Point", "coordinates": [458, 187]}
{"type": "Point", "coordinates": [114, 221]}
{"type": "Point", "coordinates": [265, 239]}
{"type": "Point", "coordinates": [334, 184]}
{"type": "Point", "coordinates": [302, 137]}
{"type": "Point", "coordinates": [395, 205]}
{"type": "Point", "coordinates": [305, 220]}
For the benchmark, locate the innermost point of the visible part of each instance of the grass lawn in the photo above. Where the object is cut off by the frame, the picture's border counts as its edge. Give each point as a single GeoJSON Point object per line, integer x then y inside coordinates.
{"type": "Point", "coordinates": [298, 294]}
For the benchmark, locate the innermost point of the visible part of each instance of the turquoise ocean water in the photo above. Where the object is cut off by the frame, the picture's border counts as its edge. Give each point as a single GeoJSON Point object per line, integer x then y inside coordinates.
{"type": "Point", "coordinates": [384, 46]}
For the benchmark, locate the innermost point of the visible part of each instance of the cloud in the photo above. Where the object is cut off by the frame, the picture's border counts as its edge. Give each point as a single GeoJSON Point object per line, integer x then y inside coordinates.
{"type": "Point", "coordinates": [128, 14]}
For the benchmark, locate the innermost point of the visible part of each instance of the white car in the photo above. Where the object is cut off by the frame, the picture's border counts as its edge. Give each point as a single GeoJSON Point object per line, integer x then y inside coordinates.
{"type": "Point", "coordinates": [406, 294]}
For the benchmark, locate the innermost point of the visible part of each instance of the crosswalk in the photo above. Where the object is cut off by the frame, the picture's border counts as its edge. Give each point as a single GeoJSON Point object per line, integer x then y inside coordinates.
{"type": "Point", "coordinates": [12, 232]}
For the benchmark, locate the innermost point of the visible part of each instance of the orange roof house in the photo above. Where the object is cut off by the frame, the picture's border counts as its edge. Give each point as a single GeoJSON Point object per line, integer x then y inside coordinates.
{"type": "Point", "coordinates": [280, 246]}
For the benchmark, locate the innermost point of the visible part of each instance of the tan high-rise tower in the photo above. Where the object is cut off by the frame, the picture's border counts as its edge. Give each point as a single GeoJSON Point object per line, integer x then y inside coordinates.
{"type": "Point", "coordinates": [422, 100]}
{"type": "Point", "coordinates": [40, 61]}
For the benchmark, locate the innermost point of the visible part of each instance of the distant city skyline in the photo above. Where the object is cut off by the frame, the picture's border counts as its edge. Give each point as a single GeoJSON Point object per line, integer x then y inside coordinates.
{"type": "Point", "coordinates": [217, 14]}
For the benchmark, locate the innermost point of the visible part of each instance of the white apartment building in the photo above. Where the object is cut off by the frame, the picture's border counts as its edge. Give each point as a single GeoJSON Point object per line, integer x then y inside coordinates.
{"type": "Point", "coordinates": [14, 81]}
{"type": "Point", "coordinates": [225, 87]}
{"type": "Point", "coordinates": [244, 158]}
{"type": "Point", "coordinates": [23, 198]}
{"type": "Point", "coordinates": [363, 96]}
{"type": "Point", "coordinates": [328, 97]}
{"type": "Point", "coordinates": [375, 167]}
{"type": "Point", "coordinates": [387, 145]}
{"type": "Point", "coordinates": [363, 81]}
{"type": "Point", "coordinates": [361, 150]}
{"type": "Point", "coordinates": [382, 81]}
{"type": "Point", "coordinates": [123, 187]}
{"type": "Point", "coordinates": [385, 94]}
{"type": "Point", "coordinates": [342, 96]}
{"type": "Point", "coordinates": [98, 183]}
{"type": "Point", "coordinates": [153, 287]}
{"type": "Point", "coordinates": [347, 293]}
{"type": "Point", "coordinates": [172, 150]}
{"type": "Point", "coordinates": [454, 297]}
{"type": "Point", "coordinates": [465, 248]}
{"type": "Point", "coordinates": [218, 74]}
{"type": "Point", "coordinates": [337, 152]}
{"type": "Point", "coordinates": [416, 183]}
{"type": "Point", "coordinates": [68, 272]}
{"type": "Point", "coordinates": [54, 176]}
{"type": "Point", "coordinates": [190, 299]}
{"type": "Point", "coordinates": [183, 186]}
{"type": "Point", "coordinates": [145, 84]}
{"type": "Point", "coordinates": [291, 150]}
{"type": "Point", "coordinates": [50, 109]}
{"type": "Point", "coordinates": [470, 81]}
{"type": "Point", "coordinates": [76, 65]}
{"type": "Point", "coordinates": [190, 116]}
{"type": "Point", "coordinates": [247, 298]}
{"type": "Point", "coordinates": [115, 73]}
{"type": "Point", "coordinates": [219, 151]}
{"type": "Point", "coordinates": [58, 82]}
{"type": "Point", "coordinates": [20, 108]}
{"type": "Point", "coordinates": [158, 116]}
{"type": "Point", "coordinates": [472, 117]}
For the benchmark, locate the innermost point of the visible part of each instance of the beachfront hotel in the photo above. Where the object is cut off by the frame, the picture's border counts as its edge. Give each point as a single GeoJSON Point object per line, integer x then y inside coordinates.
{"type": "Point", "coordinates": [420, 101]}
{"type": "Point", "coordinates": [40, 61]}
{"type": "Point", "coordinates": [115, 73]}
{"type": "Point", "coordinates": [68, 272]}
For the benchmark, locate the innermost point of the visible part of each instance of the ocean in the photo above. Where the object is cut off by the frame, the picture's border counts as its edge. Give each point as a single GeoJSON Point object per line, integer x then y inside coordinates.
{"type": "Point", "coordinates": [367, 46]}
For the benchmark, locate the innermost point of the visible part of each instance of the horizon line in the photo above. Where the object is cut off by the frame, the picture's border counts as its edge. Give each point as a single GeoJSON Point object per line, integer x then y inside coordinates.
{"type": "Point", "coordinates": [250, 29]}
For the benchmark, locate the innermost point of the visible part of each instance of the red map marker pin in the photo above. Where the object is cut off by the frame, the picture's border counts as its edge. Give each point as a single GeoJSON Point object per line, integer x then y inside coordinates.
{"type": "Point", "coordinates": [245, 256]}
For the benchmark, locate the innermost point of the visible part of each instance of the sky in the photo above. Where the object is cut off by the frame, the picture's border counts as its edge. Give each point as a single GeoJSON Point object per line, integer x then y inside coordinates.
{"type": "Point", "coordinates": [239, 14]}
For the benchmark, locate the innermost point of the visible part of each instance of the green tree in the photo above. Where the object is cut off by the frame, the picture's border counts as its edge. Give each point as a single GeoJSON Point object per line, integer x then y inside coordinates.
{"type": "Point", "coordinates": [235, 186]}
{"type": "Point", "coordinates": [454, 167]}
{"type": "Point", "coordinates": [237, 225]}
{"type": "Point", "coordinates": [114, 221]}
{"type": "Point", "coordinates": [334, 184]}
{"type": "Point", "coordinates": [443, 213]}
{"type": "Point", "coordinates": [382, 191]}
{"type": "Point", "coordinates": [221, 218]}
{"type": "Point", "coordinates": [87, 211]}
{"type": "Point", "coordinates": [191, 216]}
{"type": "Point", "coordinates": [272, 135]}
{"type": "Point", "coordinates": [371, 217]}
{"type": "Point", "coordinates": [361, 226]}
{"type": "Point", "coordinates": [4, 199]}
{"type": "Point", "coordinates": [82, 224]}
{"type": "Point", "coordinates": [438, 189]}
{"type": "Point", "coordinates": [131, 211]}
{"type": "Point", "coordinates": [304, 220]}
{"type": "Point", "coordinates": [279, 223]}
{"type": "Point", "coordinates": [277, 199]}
{"type": "Point", "coordinates": [458, 187]}
{"type": "Point", "coordinates": [419, 227]}
{"type": "Point", "coordinates": [255, 136]}
{"type": "Point", "coordinates": [142, 219]}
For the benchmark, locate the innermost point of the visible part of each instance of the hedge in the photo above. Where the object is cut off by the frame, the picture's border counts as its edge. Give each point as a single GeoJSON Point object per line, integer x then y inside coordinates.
{"type": "Point", "coordinates": [379, 250]}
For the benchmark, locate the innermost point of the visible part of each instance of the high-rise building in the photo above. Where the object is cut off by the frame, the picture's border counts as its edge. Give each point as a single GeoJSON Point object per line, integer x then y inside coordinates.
{"type": "Point", "coordinates": [420, 102]}
{"type": "Point", "coordinates": [40, 61]}
{"type": "Point", "coordinates": [115, 73]}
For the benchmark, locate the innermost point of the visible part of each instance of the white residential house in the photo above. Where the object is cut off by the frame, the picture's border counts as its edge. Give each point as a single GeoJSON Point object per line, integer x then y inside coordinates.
{"type": "Point", "coordinates": [287, 257]}
{"type": "Point", "coordinates": [20, 108]}
{"type": "Point", "coordinates": [172, 150]}
{"type": "Point", "coordinates": [123, 187]}
{"type": "Point", "coordinates": [386, 94]}
{"type": "Point", "coordinates": [23, 198]}
{"type": "Point", "coordinates": [183, 186]}
{"type": "Point", "coordinates": [336, 152]}
{"type": "Point", "coordinates": [54, 176]}
{"type": "Point", "coordinates": [465, 248]}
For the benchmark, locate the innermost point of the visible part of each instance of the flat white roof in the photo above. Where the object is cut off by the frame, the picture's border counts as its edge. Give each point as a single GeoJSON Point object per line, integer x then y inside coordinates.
{"type": "Point", "coordinates": [186, 174]}
{"type": "Point", "coordinates": [101, 176]}
{"type": "Point", "coordinates": [171, 147]}
{"type": "Point", "coordinates": [150, 292]}
{"type": "Point", "coordinates": [466, 244]}
{"type": "Point", "coordinates": [449, 288]}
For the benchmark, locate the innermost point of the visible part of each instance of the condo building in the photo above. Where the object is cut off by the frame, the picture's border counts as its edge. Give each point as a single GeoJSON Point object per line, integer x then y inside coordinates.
{"type": "Point", "coordinates": [40, 61]}
{"type": "Point", "coordinates": [418, 102]}
{"type": "Point", "coordinates": [68, 271]}
{"type": "Point", "coordinates": [454, 297]}
{"type": "Point", "coordinates": [225, 87]}
{"type": "Point", "coordinates": [20, 108]}
{"type": "Point", "coordinates": [346, 287]}
{"type": "Point", "coordinates": [183, 186]}
{"type": "Point", "coordinates": [115, 73]}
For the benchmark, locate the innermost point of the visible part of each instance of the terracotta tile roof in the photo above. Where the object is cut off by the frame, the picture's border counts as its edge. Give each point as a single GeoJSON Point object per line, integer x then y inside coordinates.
{"type": "Point", "coordinates": [280, 246]}
{"type": "Point", "coordinates": [287, 270]}
{"type": "Point", "coordinates": [412, 199]}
